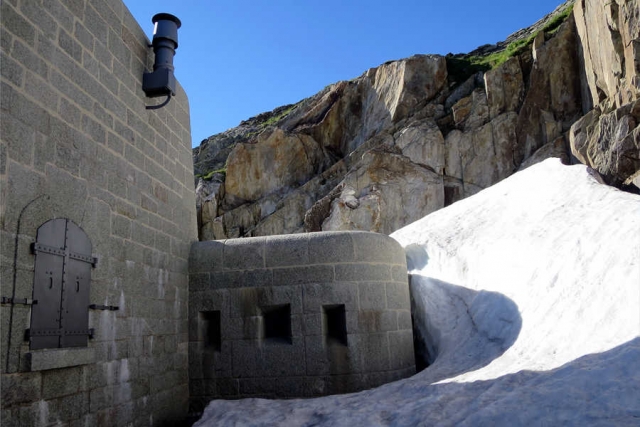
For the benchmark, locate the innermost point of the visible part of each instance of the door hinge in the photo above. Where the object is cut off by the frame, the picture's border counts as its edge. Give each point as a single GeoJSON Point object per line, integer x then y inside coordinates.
{"type": "Point", "coordinates": [104, 307]}
{"type": "Point", "coordinates": [25, 301]}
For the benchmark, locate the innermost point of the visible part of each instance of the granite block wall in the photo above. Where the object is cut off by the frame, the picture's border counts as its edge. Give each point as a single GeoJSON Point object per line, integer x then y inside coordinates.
{"type": "Point", "coordinates": [77, 143]}
{"type": "Point", "coordinates": [297, 316]}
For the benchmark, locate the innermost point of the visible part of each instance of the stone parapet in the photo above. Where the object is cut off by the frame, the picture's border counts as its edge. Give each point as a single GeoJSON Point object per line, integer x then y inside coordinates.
{"type": "Point", "coordinates": [297, 316]}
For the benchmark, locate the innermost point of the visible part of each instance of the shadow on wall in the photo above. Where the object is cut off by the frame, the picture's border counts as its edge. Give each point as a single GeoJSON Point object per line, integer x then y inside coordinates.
{"type": "Point", "coordinates": [456, 329]}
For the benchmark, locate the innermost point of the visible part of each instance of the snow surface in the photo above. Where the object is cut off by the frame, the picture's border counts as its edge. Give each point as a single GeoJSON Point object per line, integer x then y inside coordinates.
{"type": "Point", "coordinates": [528, 297]}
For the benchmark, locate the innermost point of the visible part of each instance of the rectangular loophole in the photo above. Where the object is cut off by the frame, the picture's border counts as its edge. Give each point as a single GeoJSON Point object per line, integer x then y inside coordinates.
{"type": "Point", "coordinates": [334, 321]}
{"type": "Point", "coordinates": [277, 323]}
{"type": "Point", "coordinates": [211, 332]}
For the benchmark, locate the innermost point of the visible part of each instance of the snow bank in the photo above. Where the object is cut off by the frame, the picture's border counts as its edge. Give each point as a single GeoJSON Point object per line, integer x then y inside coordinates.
{"type": "Point", "coordinates": [528, 298]}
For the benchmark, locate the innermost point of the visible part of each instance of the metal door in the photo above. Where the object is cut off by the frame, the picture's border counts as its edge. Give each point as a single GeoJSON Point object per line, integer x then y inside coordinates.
{"type": "Point", "coordinates": [61, 286]}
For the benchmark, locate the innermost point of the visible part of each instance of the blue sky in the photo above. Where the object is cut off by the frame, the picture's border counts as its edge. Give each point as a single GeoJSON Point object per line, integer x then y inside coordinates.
{"type": "Point", "coordinates": [239, 58]}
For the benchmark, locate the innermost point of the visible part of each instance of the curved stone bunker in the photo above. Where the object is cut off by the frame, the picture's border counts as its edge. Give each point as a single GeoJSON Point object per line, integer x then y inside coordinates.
{"type": "Point", "coordinates": [297, 316]}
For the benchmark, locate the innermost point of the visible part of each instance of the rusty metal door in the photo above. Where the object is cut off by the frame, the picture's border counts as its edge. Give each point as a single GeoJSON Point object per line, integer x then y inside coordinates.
{"type": "Point", "coordinates": [61, 286]}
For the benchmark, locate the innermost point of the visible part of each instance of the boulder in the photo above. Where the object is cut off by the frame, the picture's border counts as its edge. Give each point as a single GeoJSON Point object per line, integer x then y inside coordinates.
{"type": "Point", "coordinates": [609, 143]}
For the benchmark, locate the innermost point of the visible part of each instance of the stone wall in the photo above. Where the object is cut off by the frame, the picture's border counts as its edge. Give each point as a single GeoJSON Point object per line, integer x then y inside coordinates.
{"type": "Point", "coordinates": [77, 143]}
{"type": "Point", "coordinates": [297, 316]}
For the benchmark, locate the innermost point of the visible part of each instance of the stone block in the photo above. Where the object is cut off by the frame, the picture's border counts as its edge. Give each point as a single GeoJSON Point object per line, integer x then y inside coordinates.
{"type": "Point", "coordinates": [399, 274]}
{"type": "Point", "coordinates": [228, 387]}
{"type": "Point", "coordinates": [376, 321]}
{"type": "Point", "coordinates": [244, 254]}
{"type": "Point", "coordinates": [282, 359]}
{"type": "Point", "coordinates": [83, 36]}
{"type": "Point", "coordinates": [374, 247]}
{"type": "Point", "coordinates": [345, 383]}
{"type": "Point", "coordinates": [398, 296]}
{"type": "Point", "coordinates": [274, 387]}
{"type": "Point", "coordinates": [312, 324]}
{"type": "Point", "coordinates": [279, 295]}
{"type": "Point", "coordinates": [316, 295]}
{"type": "Point", "coordinates": [246, 357]}
{"type": "Point", "coordinates": [404, 320]}
{"type": "Point", "coordinates": [362, 272]}
{"type": "Point", "coordinates": [41, 360]}
{"type": "Point", "coordinates": [289, 250]}
{"type": "Point", "coordinates": [165, 381]}
{"type": "Point", "coordinates": [199, 281]}
{"type": "Point", "coordinates": [402, 344]}
{"type": "Point", "coordinates": [241, 279]}
{"type": "Point", "coordinates": [206, 256]}
{"type": "Point", "coordinates": [244, 328]}
{"type": "Point", "coordinates": [372, 296]}
{"type": "Point", "coordinates": [69, 45]}
{"type": "Point", "coordinates": [61, 382]}
{"type": "Point", "coordinates": [372, 351]}
{"type": "Point", "coordinates": [20, 388]}
{"type": "Point", "coordinates": [120, 226]}
{"type": "Point", "coordinates": [17, 25]}
{"type": "Point", "coordinates": [69, 408]}
{"type": "Point", "coordinates": [11, 70]}
{"type": "Point", "coordinates": [43, 21]}
{"type": "Point", "coordinates": [124, 414]}
{"type": "Point", "coordinates": [243, 302]}
{"type": "Point", "coordinates": [302, 275]}
{"type": "Point", "coordinates": [28, 112]}
{"type": "Point", "coordinates": [19, 137]}
{"type": "Point", "coordinates": [330, 247]}
{"type": "Point", "coordinates": [101, 398]}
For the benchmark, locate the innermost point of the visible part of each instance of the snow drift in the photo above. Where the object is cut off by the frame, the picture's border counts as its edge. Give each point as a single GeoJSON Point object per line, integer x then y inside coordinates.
{"type": "Point", "coordinates": [527, 297]}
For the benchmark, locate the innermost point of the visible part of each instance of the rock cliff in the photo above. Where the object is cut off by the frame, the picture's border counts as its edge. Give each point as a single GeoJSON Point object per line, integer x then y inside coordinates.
{"type": "Point", "coordinates": [415, 135]}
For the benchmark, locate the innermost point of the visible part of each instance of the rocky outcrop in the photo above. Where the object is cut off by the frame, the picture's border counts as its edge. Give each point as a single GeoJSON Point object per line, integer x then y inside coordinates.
{"type": "Point", "coordinates": [609, 35]}
{"type": "Point", "coordinates": [414, 135]}
{"type": "Point", "coordinates": [607, 138]}
{"type": "Point", "coordinates": [610, 143]}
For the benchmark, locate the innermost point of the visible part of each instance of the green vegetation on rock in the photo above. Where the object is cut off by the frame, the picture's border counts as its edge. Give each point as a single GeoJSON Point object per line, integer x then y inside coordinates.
{"type": "Point", "coordinates": [209, 175]}
{"type": "Point", "coordinates": [461, 67]}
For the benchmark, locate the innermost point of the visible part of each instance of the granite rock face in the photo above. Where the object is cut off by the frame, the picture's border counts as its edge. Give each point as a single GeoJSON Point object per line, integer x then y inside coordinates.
{"type": "Point", "coordinates": [609, 35]}
{"type": "Point", "coordinates": [412, 136]}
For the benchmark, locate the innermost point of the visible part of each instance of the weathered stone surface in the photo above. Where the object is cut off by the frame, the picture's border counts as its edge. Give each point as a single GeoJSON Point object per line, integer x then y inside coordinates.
{"type": "Point", "coordinates": [422, 142]}
{"type": "Point", "coordinates": [382, 182]}
{"type": "Point", "coordinates": [505, 88]}
{"type": "Point", "coordinates": [553, 100]}
{"type": "Point", "coordinates": [609, 36]}
{"type": "Point", "coordinates": [483, 156]}
{"type": "Point", "coordinates": [275, 161]}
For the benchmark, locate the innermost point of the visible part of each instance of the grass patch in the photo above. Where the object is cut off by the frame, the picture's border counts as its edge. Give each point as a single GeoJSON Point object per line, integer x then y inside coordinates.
{"type": "Point", "coordinates": [276, 118]}
{"type": "Point", "coordinates": [207, 176]}
{"type": "Point", "coordinates": [461, 67]}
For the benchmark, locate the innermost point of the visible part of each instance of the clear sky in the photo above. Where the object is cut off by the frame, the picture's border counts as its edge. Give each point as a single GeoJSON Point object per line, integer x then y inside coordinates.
{"type": "Point", "coordinates": [239, 58]}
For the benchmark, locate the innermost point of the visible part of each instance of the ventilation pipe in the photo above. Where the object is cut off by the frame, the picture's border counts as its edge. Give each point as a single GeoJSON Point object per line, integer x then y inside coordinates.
{"type": "Point", "coordinates": [162, 82]}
